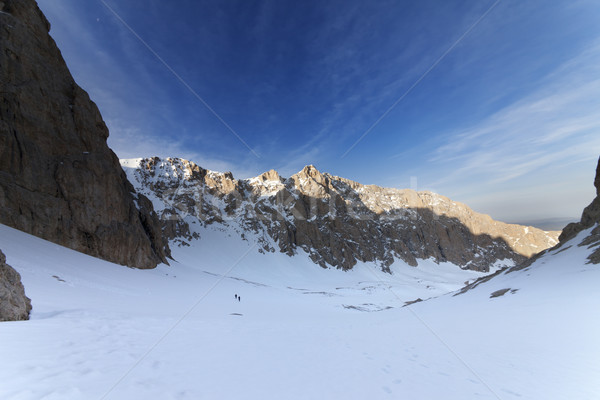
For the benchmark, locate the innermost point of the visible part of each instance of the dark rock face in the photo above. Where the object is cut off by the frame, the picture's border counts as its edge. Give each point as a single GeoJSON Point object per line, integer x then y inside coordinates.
{"type": "Point", "coordinates": [336, 221]}
{"type": "Point", "coordinates": [589, 218]}
{"type": "Point", "coordinates": [58, 178]}
{"type": "Point", "coordinates": [14, 305]}
{"type": "Point", "coordinates": [597, 180]}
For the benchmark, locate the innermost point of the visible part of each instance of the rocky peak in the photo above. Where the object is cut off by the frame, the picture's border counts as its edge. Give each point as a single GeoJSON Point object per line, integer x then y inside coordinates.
{"type": "Point", "coordinates": [309, 181]}
{"type": "Point", "coordinates": [338, 222]}
{"type": "Point", "coordinates": [270, 175]}
{"type": "Point", "coordinates": [58, 178]}
{"type": "Point", "coordinates": [310, 171]}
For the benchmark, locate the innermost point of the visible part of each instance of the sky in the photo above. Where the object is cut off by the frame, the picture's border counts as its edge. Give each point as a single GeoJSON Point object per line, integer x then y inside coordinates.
{"type": "Point", "coordinates": [493, 103]}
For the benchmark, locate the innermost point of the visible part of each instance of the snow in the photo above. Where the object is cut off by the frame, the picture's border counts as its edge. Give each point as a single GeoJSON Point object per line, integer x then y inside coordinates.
{"type": "Point", "coordinates": [104, 331]}
{"type": "Point", "coordinates": [130, 163]}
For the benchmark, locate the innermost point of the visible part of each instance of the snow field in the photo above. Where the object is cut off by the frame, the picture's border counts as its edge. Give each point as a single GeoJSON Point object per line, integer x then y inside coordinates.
{"type": "Point", "coordinates": [103, 331]}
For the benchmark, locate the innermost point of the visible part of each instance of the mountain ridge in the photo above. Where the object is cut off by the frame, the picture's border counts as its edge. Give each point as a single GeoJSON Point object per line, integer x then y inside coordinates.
{"type": "Point", "coordinates": [337, 221]}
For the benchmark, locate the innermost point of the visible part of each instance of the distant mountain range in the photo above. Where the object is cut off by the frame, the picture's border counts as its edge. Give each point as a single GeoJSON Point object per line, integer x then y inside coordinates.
{"type": "Point", "coordinates": [547, 224]}
{"type": "Point", "coordinates": [338, 222]}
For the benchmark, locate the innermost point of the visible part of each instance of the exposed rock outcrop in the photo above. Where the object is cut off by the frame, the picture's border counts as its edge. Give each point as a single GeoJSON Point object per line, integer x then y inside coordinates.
{"type": "Point", "coordinates": [336, 221]}
{"type": "Point", "coordinates": [589, 218]}
{"type": "Point", "coordinates": [58, 178]}
{"type": "Point", "coordinates": [14, 305]}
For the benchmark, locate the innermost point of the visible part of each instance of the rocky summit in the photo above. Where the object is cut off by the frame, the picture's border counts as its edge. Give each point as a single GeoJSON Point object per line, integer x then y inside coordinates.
{"type": "Point", "coordinates": [338, 222]}
{"type": "Point", "coordinates": [58, 178]}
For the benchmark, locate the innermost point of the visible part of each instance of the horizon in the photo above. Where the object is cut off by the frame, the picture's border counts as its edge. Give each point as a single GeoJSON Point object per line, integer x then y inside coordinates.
{"type": "Point", "coordinates": [490, 104]}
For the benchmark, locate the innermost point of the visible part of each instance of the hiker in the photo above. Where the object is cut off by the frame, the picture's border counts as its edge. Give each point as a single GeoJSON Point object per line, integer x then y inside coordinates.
{"type": "Point", "coordinates": [239, 298]}
{"type": "Point", "coordinates": [236, 296]}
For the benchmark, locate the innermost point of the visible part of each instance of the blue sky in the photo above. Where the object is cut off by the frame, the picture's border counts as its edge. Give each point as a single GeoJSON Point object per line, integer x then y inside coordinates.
{"type": "Point", "coordinates": [491, 103]}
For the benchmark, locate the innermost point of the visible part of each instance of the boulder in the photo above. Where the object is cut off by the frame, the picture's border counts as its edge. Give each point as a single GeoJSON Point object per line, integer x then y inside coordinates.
{"type": "Point", "coordinates": [14, 305]}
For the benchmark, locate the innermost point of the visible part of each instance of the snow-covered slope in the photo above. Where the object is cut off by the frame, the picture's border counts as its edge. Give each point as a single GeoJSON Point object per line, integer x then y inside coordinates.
{"type": "Point", "coordinates": [101, 331]}
{"type": "Point", "coordinates": [535, 329]}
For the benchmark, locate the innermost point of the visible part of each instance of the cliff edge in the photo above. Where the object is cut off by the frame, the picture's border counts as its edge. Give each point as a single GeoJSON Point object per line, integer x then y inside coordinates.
{"type": "Point", "coordinates": [58, 178]}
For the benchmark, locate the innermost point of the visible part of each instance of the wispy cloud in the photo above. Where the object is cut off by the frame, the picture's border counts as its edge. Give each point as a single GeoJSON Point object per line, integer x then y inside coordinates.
{"type": "Point", "coordinates": [545, 136]}
{"type": "Point", "coordinates": [304, 95]}
{"type": "Point", "coordinates": [121, 77]}
{"type": "Point", "coordinates": [536, 131]}
{"type": "Point", "coordinates": [153, 146]}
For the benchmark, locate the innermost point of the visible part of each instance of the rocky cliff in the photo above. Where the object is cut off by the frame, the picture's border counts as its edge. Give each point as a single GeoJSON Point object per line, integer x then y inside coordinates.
{"type": "Point", "coordinates": [336, 221]}
{"type": "Point", "coordinates": [589, 218]}
{"type": "Point", "coordinates": [14, 305]}
{"type": "Point", "coordinates": [58, 178]}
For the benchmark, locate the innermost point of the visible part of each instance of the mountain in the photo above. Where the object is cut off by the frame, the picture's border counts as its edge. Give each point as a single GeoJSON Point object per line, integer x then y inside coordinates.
{"type": "Point", "coordinates": [58, 178]}
{"type": "Point", "coordinates": [293, 330]}
{"type": "Point", "coordinates": [98, 330]}
{"type": "Point", "coordinates": [336, 221]}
